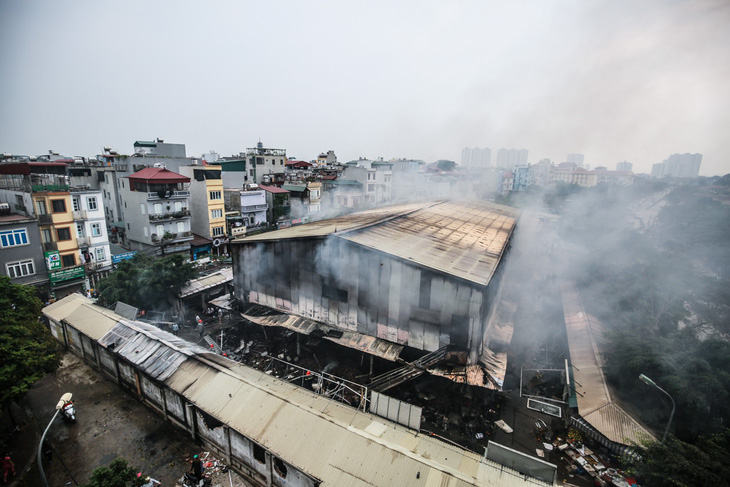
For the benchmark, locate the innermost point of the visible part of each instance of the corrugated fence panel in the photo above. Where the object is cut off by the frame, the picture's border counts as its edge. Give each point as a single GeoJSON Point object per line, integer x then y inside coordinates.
{"type": "Point", "coordinates": [395, 410]}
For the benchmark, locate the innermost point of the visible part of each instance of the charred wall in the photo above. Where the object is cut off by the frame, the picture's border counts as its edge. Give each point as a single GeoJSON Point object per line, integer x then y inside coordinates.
{"type": "Point", "coordinates": [355, 288]}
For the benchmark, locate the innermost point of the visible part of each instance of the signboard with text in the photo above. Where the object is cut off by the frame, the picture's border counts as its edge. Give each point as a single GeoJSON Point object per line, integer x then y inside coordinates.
{"type": "Point", "coordinates": [120, 257]}
{"type": "Point", "coordinates": [67, 274]}
{"type": "Point", "coordinates": [53, 260]}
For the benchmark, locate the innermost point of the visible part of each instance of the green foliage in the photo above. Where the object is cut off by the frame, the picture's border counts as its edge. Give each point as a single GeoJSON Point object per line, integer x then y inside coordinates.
{"type": "Point", "coordinates": [27, 348]}
{"type": "Point", "coordinates": [146, 282]}
{"type": "Point", "coordinates": [677, 463]}
{"type": "Point", "coordinates": [116, 474]}
{"type": "Point", "coordinates": [662, 293]}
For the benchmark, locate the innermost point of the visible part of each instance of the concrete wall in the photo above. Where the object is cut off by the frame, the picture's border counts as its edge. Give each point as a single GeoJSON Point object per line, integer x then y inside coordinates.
{"type": "Point", "coordinates": [354, 288]}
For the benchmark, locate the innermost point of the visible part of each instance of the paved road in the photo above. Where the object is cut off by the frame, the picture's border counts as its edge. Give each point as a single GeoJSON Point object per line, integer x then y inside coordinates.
{"type": "Point", "coordinates": [110, 424]}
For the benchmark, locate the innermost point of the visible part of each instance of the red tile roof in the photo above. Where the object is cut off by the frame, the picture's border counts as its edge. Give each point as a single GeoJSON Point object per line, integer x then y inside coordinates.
{"type": "Point", "coordinates": [273, 189]}
{"type": "Point", "coordinates": [159, 175]}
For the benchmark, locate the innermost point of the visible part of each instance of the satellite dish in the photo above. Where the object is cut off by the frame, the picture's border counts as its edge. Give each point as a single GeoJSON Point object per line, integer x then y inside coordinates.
{"type": "Point", "coordinates": [217, 242]}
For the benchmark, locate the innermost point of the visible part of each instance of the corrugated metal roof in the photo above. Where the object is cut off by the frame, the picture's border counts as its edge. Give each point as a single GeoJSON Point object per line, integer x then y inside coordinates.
{"type": "Point", "coordinates": [594, 401]}
{"type": "Point", "coordinates": [211, 280]}
{"type": "Point", "coordinates": [266, 316]}
{"type": "Point", "coordinates": [62, 308]}
{"type": "Point", "coordinates": [463, 239]}
{"type": "Point", "coordinates": [329, 441]}
{"type": "Point", "coordinates": [93, 321]}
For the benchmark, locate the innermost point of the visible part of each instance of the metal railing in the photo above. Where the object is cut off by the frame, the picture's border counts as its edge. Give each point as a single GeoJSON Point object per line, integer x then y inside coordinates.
{"type": "Point", "coordinates": [169, 215]}
{"type": "Point", "coordinates": [48, 246]}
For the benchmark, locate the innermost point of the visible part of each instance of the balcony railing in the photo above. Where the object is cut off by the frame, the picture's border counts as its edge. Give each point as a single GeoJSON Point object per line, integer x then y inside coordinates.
{"type": "Point", "coordinates": [254, 208]}
{"type": "Point", "coordinates": [39, 188]}
{"type": "Point", "coordinates": [170, 215]}
{"type": "Point", "coordinates": [45, 219]}
{"type": "Point", "coordinates": [153, 195]}
{"type": "Point", "coordinates": [48, 246]}
{"type": "Point", "coordinates": [170, 237]}
{"type": "Point", "coordinates": [83, 241]}
{"type": "Point", "coordinates": [80, 215]}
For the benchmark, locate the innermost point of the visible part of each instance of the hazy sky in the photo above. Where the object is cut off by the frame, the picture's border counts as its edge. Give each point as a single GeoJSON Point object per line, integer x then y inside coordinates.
{"type": "Point", "coordinates": [613, 80]}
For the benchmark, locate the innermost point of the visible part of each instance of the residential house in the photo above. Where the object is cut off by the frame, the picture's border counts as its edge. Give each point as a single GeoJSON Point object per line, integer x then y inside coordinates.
{"type": "Point", "coordinates": [156, 205]}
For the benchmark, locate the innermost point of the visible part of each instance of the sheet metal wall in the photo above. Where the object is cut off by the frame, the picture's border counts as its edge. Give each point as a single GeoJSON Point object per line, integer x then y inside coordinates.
{"type": "Point", "coordinates": [355, 288]}
{"type": "Point", "coordinates": [236, 448]}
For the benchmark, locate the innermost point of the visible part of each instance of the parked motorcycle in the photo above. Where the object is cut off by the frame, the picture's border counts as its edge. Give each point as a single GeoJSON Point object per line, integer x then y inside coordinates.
{"type": "Point", "coordinates": [66, 406]}
{"type": "Point", "coordinates": [190, 480]}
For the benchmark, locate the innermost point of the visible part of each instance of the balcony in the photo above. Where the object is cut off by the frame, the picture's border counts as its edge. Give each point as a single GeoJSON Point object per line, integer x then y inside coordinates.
{"type": "Point", "coordinates": [80, 215]}
{"type": "Point", "coordinates": [170, 237]}
{"type": "Point", "coordinates": [45, 219]}
{"type": "Point", "coordinates": [83, 241]}
{"type": "Point", "coordinates": [48, 246]}
{"type": "Point", "coordinates": [169, 215]}
{"type": "Point", "coordinates": [250, 208]}
{"type": "Point", "coordinates": [154, 195]}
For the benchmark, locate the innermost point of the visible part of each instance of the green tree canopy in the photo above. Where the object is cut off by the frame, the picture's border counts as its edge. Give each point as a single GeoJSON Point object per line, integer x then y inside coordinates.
{"type": "Point", "coordinates": [116, 474]}
{"type": "Point", "coordinates": [146, 282]}
{"type": "Point", "coordinates": [27, 348]}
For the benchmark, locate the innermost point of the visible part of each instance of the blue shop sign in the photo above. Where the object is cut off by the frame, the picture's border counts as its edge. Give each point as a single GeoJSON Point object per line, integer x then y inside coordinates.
{"type": "Point", "coordinates": [120, 257]}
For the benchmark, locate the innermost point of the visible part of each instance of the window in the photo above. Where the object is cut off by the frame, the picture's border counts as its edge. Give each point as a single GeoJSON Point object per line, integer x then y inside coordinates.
{"type": "Point", "coordinates": [178, 206]}
{"type": "Point", "coordinates": [281, 162]}
{"type": "Point", "coordinates": [145, 231]}
{"type": "Point", "coordinates": [280, 468]}
{"type": "Point", "coordinates": [216, 213]}
{"type": "Point", "coordinates": [68, 260]}
{"type": "Point", "coordinates": [20, 268]}
{"type": "Point", "coordinates": [180, 227]}
{"type": "Point", "coordinates": [47, 235]}
{"type": "Point", "coordinates": [41, 207]}
{"type": "Point", "coordinates": [104, 193]}
{"type": "Point", "coordinates": [160, 229]}
{"type": "Point", "coordinates": [80, 229]}
{"type": "Point", "coordinates": [59, 206]}
{"type": "Point", "coordinates": [75, 202]}
{"type": "Point", "coordinates": [91, 203]}
{"type": "Point", "coordinates": [14, 238]}
{"type": "Point", "coordinates": [96, 229]}
{"type": "Point", "coordinates": [63, 233]}
{"type": "Point", "coordinates": [215, 195]}
{"type": "Point", "coordinates": [217, 231]}
{"type": "Point", "coordinates": [142, 208]}
{"type": "Point", "coordinates": [158, 208]}
{"type": "Point", "coordinates": [258, 454]}
{"type": "Point", "coordinates": [100, 254]}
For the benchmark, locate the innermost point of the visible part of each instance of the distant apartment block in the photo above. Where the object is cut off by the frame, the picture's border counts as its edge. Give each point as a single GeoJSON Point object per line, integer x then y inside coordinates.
{"type": "Point", "coordinates": [207, 208]}
{"type": "Point", "coordinates": [508, 158]}
{"type": "Point", "coordinates": [476, 157]}
{"type": "Point", "coordinates": [624, 166]}
{"type": "Point", "coordinates": [576, 159]}
{"type": "Point", "coordinates": [327, 158]}
{"type": "Point", "coordinates": [678, 166]}
{"type": "Point", "coordinates": [262, 161]}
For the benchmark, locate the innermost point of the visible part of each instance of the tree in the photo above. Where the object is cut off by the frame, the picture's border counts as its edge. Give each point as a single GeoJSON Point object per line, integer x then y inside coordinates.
{"type": "Point", "coordinates": [27, 348]}
{"type": "Point", "coordinates": [116, 474]}
{"type": "Point", "coordinates": [676, 463]}
{"type": "Point", "coordinates": [146, 282]}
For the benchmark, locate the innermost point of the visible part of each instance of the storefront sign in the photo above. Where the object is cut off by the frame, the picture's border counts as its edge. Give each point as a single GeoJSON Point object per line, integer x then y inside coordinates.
{"type": "Point", "coordinates": [120, 257]}
{"type": "Point", "coordinates": [53, 260]}
{"type": "Point", "coordinates": [67, 274]}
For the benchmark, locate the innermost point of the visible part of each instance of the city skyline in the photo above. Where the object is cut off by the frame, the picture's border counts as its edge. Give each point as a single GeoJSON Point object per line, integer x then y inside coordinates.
{"type": "Point", "coordinates": [611, 80]}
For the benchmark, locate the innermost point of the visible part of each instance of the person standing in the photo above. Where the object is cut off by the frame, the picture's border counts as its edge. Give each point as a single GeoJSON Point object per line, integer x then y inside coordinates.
{"type": "Point", "coordinates": [201, 329]}
{"type": "Point", "coordinates": [175, 329]}
{"type": "Point", "coordinates": [8, 466]}
{"type": "Point", "coordinates": [197, 467]}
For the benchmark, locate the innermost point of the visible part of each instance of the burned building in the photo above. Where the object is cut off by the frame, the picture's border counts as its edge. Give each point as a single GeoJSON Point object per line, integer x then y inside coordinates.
{"type": "Point", "coordinates": [423, 275]}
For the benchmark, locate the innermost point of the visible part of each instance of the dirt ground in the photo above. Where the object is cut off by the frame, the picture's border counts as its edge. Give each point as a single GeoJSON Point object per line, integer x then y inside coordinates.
{"type": "Point", "coordinates": [110, 424]}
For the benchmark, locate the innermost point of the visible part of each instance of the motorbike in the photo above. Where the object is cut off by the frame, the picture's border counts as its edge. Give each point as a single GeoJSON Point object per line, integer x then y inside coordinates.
{"type": "Point", "coordinates": [66, 406]}
{"type": "Point", "coordinates": [190, 480]}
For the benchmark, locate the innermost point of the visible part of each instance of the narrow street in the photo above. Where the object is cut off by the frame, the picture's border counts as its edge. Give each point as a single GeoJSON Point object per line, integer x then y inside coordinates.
{"type": "Point", "coordinates": [110, 424]}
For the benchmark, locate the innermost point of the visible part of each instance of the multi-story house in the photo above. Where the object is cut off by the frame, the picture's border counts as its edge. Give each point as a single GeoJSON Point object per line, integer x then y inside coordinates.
{"type": "Point", "coordinates": [207, 206]}
{"type": "Point", "coordinates": [91, 233]}
{"type": "Point", "coordinates": [279, 203]}
{"type": "Point", "coordinates": [250, 204]}
{"type": "Point", "coordinates": [262, 161]}
{"type": "Point", "coordinates": [21, 251]}
{"type": "Point", "coordinates": [156, 210]}
{"type": "Point", "coordinates": [41, 189]}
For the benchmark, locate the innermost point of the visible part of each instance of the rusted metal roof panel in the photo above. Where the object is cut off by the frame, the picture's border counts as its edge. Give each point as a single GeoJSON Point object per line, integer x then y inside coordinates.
{"type": "Point", "coordinates": [206, 282]}
{"type": "Point", "coordinates": [265, 316]}
{"type": "Point", "coordinates": [594, 401]}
